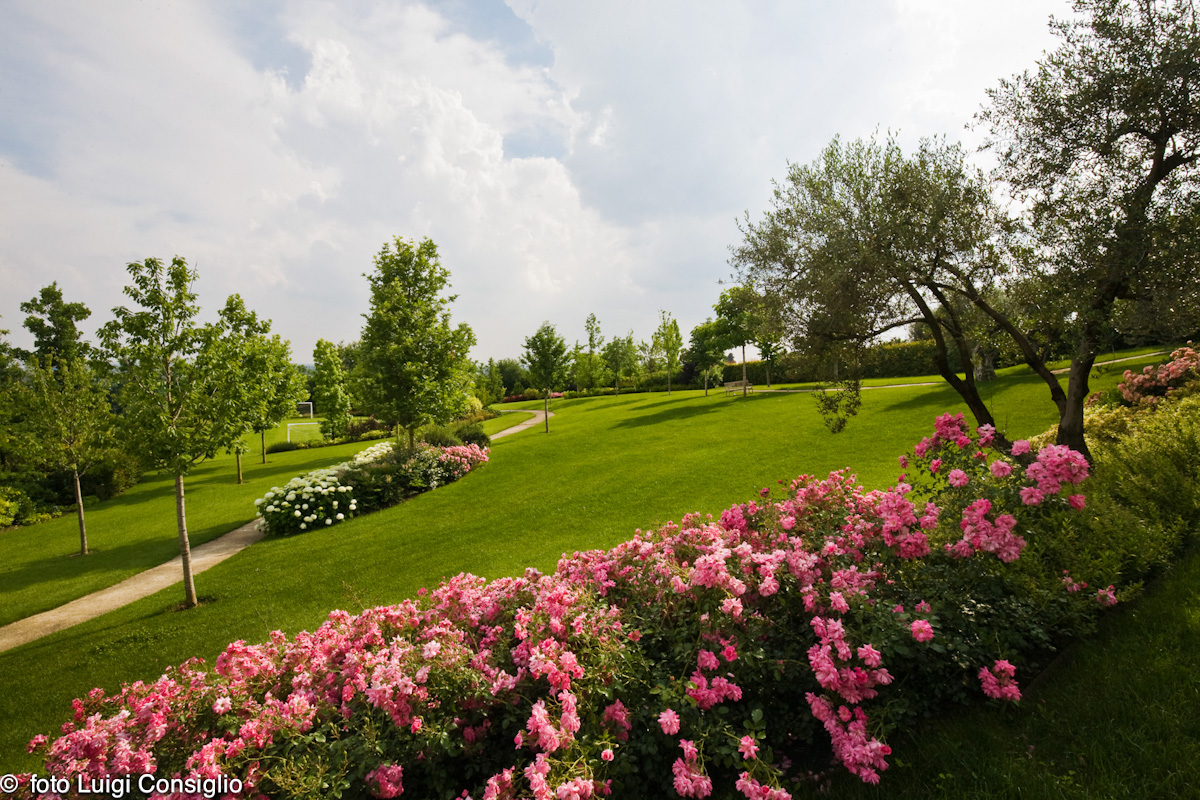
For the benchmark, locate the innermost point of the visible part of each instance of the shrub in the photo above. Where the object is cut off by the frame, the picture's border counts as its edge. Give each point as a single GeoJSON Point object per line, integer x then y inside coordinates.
{"type": "Point", "coordinates": [472, 433]}
{"type": "Point", "coordinates": [362, 427]}
{"type": "Point", "coordinates": [1155, 383]}
{"type": "Point", "coordinates": [441, 436]}
{"type": "Point", "coordinates": [8, 506]}
{"type": "Point", "coordinates": [699, 657]}
{"type": "Point", "coordinates": [378, 477]}
{"type": "Point", "coordinates": [285, 447]}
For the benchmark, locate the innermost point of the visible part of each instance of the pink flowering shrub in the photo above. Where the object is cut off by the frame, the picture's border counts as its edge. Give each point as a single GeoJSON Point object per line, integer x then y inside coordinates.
{"type": "Point", "coordinates": [740, 653]}
{"type": "Point", "coordinates": [1154, 383]}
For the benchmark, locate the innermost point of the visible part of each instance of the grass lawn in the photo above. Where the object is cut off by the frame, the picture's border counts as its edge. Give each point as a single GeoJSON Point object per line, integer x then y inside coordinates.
{"type": "Point", "coordinates": [40, 566]}
{"type": "Point", "coordinates": [1115, 717]}
{"type": "Point", "coordinates": [505, 421]}
{"type": "Point", "coordinates": [608, 466]}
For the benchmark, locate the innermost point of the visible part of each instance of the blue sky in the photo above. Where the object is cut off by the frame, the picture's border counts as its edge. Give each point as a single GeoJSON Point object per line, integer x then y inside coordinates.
{"type": "Point", "coordinates": [567, 158]}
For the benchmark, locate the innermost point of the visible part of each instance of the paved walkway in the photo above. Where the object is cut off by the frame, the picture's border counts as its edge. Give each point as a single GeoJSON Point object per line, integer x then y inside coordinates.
{"type": "Point", "coordinates": [157, 578]}
{"type": "Point", "coordinates": [127, 591]}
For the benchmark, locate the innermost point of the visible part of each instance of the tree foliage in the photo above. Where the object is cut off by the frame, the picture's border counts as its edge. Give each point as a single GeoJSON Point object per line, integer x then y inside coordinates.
{"type": "Point", "coordinates": [545, 358]}
{"type": "Point", "coordinates": [330, 396]}
{"type": "Point", "coordinates": [620, 356]}
{"type": "Point", "coordinates": [668, 342]}
{"type": "Point", "coordinates": [416, 365]}
{"type": "Point", "coordinates": [54, 325]}
{"type": "Point", "coordinates": [1101, 140]}
{"type": "Point", "coordinates": [865, 240]}
{"type": "Point", "coordinates": [69, 423]}
{"type": "Point", "coordinates": [182, 397]}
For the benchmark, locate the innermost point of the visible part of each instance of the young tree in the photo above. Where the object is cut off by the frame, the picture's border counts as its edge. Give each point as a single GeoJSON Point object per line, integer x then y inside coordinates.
{"type": "Point", "coordinates": [707, 349]}
{"type": "Point", "coordinates": [668, 342]}
{"type": "Point", "coordinates": [589, 365]}
{"type": "Point", "coordinates": [277, 386]}
{"type": "Point", "coordinates": [1102, 142]}
{"type": "Point", "coordinates": [69, 422]}
{"type": "Point", "coordinates": [329, 391]}
{"type": "Point", "coordinates": [736, 321]}
{"type": "Point", "coordinates": [416, 365]}
{"type": "Point", "coordinates": [546, 359]}
{"type": "Point", "coordinates": [181, 400]}
{"type": "Point", "coordinates": [620, 356]}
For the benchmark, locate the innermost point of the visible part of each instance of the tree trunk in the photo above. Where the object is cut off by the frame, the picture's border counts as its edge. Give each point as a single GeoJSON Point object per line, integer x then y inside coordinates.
{"type": "Point", "coordinates": [546, 408]}
{"type": "Point", "coordinates": [83, 548]}
{"type": "Point", "coordinates": [238, 455]}
{"type": "Point", "coordinates": [263, 434]}
{"type": "Point", "coordinates": [706, 383]}
{"type": "Point", "coordinates": [185, 547]}
{"type": "Point", "coordinates": [768, 363]}
{"type": "Point", "coordinates": [412, 438]}
{"type": "Point", "coordinates": [743, 370]}
{"type": "Point", "coordinates": [1070, 424]}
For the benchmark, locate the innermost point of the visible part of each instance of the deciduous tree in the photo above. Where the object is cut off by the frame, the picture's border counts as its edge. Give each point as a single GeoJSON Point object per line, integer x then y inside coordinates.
{"type": "Point", "coordinates": [180, 398]}
{"type": "Point", "coordinates": [69, 422]}
{"type": "Point", "coordinates": [329, 390]}
{"type": "Point", "coordinates": [668, 342]}
{"type": "Point", "coordinates": [416, 364]}
{"type": "Point", "coordinates": [546, 359]}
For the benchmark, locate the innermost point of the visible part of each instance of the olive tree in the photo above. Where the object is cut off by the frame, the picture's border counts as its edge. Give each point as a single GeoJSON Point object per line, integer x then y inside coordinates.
{"type": "Point", "coordinates": [1101, 141]}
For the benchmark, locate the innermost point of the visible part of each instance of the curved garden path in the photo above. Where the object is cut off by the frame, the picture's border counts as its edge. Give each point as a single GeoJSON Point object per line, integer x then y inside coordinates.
{"type": "Point", "coordinates": [157, 578]}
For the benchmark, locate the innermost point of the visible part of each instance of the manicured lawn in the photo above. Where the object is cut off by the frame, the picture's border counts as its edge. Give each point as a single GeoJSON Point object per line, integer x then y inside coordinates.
{"type": "Point", "coordinates": [40, 566]}
{"type": "Point", "coordinates": [609, 465]}
{"type": "Point", "coordinates": [503, 422]}
{"type": "Point", "coordinates": [1116, 717]}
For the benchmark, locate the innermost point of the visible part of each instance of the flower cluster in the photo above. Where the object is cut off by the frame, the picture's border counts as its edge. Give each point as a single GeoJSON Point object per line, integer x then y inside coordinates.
{"type": "Point", "coordinates": [1154, 383]}
{"type": "Point", "coordinates": [693, 658]}
{"type": "Point", "coordinates": [327, 496]}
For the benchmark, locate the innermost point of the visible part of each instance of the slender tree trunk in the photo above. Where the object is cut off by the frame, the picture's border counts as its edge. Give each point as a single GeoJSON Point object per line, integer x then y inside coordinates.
{"type": "Point", "coordinates": [546, 409]}
{"type": "Point", "coordinates": [412, 438]}
{"type": "Point", "coordinates": [83, 548]}
{"type": "Point", "coordinates": [706, 383]}
{"type": "Point", "coordinates": [185, 547]}
{"type": "Point", "coordinates": [744, 370]}
{"type": "Point", "coordinates": [263, 434]}
{"type": "Point", "coordinates": [238, 455]}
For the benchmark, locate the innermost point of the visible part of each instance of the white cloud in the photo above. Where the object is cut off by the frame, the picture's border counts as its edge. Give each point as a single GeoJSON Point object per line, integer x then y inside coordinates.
{"type": "Point", "coordinates": [582, 158]}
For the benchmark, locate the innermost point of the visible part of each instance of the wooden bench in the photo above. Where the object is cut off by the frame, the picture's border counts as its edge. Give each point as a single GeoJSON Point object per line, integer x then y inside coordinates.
{"type": "Point", "coordinates": [737, 386]}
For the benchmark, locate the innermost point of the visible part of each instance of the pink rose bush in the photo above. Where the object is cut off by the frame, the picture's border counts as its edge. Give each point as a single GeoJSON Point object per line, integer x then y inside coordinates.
{"type": "Point", "coordinates": [376, 478]}
{"type": "Point", "coordinates": [1152, 384]}
{"type": "Point", "coordinates": [739, 653]}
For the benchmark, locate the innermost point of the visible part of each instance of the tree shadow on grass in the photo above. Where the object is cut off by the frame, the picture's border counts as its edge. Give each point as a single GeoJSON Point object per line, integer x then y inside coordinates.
{"type": "Point", "coordinates": [674, 413]}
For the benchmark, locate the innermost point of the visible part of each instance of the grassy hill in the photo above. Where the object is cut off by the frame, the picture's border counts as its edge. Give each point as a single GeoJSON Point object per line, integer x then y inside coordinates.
{"type": "Point", "coordinates": [609, 465]}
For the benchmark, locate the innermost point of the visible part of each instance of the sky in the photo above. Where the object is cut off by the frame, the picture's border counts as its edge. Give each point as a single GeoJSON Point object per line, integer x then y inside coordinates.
{"type": "Point", "coordinates": [567, 158]}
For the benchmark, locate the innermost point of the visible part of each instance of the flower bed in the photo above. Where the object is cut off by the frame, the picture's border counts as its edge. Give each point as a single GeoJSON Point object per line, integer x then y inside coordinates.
{"type": "Point", "coordinates": [743, 652]}
{"type": "Point", "coordinates": [327, 496]}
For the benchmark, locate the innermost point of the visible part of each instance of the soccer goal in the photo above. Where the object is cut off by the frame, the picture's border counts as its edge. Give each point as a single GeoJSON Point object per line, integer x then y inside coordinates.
{"type": "Point", "coordinates": [291, 425]}
{"type": "Point", "coordinates": [306, 406]}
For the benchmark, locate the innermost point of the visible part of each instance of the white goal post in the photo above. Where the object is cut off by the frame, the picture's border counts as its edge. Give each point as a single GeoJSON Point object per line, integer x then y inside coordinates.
{"type": "Point", "coordinates": [300, 409]}
{"type": "Point", "coordinates": [297, 425]}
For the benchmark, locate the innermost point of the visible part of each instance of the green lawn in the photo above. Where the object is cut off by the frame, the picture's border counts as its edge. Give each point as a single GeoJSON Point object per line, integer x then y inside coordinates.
{"type": "Point", "coordinates": [505, 421]}
{"type": "Point", "coordinates": [608, 466]}
{"type": "Point", "coordinates": [40, 566]}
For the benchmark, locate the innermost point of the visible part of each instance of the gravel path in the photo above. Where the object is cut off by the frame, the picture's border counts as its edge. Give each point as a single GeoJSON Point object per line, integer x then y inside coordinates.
{"type": "Point", "coordinates": [157, 578]}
